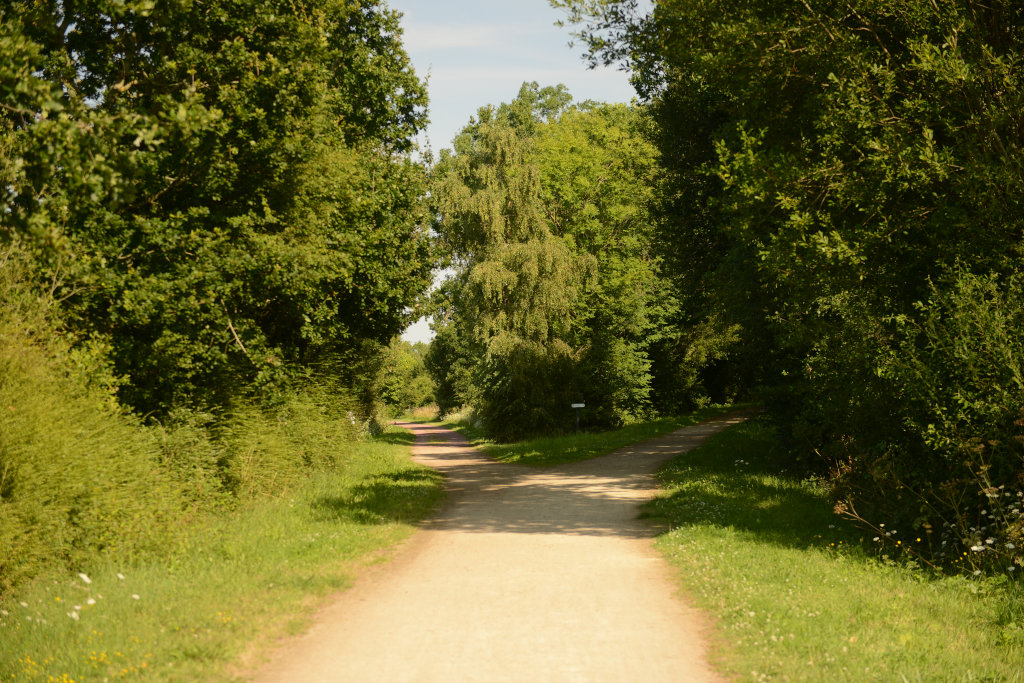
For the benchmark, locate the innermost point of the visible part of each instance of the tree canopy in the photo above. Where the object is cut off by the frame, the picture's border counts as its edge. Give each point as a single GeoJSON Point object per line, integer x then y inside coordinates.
{"type": "Point", "coordinates": [221, 191]}
{"type": "Point", "coordinates": [555, 297]}
{"type": "Point", "coordinates": [840, 192]}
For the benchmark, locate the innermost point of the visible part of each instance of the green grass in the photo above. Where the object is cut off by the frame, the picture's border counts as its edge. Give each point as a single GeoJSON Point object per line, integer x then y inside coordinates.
{"type": "Point", "coordinates": [795, 596]}
{"type": "Point", "coordinates": [240, 584]}
{"type": "Point", "coordinates": [558, 450]}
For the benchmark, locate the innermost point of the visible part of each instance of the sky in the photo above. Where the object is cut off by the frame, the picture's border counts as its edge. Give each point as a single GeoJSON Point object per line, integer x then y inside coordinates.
{"type": "Point", "coordinates": [479, 52]}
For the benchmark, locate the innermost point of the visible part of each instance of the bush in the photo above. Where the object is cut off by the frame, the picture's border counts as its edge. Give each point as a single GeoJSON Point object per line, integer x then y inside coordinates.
{"type": "Point", "coordinates": [78, 478]}
{"type": "Point", "coordinates": [963, 373]}
{"type": "Point", "coordinates": [81, 479]}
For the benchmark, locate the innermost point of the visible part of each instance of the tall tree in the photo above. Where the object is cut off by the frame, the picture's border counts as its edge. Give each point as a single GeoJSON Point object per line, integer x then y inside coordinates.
{"type": "Point", "coordinates": [543, 206]}
{"type": "Point", "coordinates": [224, 187]}
{"type": "Point", "coordinates": [845, 173]}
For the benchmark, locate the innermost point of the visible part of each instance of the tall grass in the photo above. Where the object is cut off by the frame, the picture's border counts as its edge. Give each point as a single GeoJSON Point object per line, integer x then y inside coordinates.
{"type": "Point", "coordinates": [796, 594]}
{"type": "Point", "coordinates": [77, 477]}
{"type": "Point", "coordinates": [239, 583]}
{"type": "Point", "coordinates": [82, 479]}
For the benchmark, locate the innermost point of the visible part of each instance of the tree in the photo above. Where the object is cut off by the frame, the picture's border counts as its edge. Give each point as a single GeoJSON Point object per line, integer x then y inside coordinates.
{"type": "Point", "coordinates": [844, 172]}
{"type": "Point", "coordinates": [224, 189]}
{"type": "Point", "coordinates": [405, 382]}
{"type": "Point", "coordinates": [555, 293]}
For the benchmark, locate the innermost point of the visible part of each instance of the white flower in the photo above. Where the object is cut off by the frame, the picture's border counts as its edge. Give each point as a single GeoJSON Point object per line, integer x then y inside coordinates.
{"type": "Point", "coordinates": [990, 541]}
{"type": "Point", "coordinates": [73, 615]}
{"type": "Point", "coordinates": [120, 576]}
{"type": "Point", "coordinates": [84, 578]}
{"type": "Point", "coordinates": [977, 548]}
{"type": "Point", "coordinates": [1010, 546]}
{"type": "Point", "coordinates": [135, 596]}
{"type": "Point", "coordinates": [23, 604]}
{"type": "Point", "coordinates": [90, 601]}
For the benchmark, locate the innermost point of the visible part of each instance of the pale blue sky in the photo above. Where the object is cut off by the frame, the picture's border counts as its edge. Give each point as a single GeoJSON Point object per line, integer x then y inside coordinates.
{"type": "Point", "coordinates": [478, 52]}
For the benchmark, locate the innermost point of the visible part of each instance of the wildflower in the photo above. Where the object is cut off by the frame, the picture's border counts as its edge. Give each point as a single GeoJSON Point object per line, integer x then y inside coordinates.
{"type": "Point", "coordinates": [1010, 546]}
{"type": "Point", "coordinates": [23, 603]}
{"type": "Point", "coordinates": [977, 572]}
{"type": "Point", "coordinates": [90, 602]}
{"type": "Point", "coordinates": [135, 596]}
{"type": "Point", "coordinates": [977, 548]}
{"type": "Point", "coordinates": [990, 541]}
{"type": "Point", "coordinates": [73, 615]}
{"type": "Point", "coordinates": [84, 578]}
{"type": "Point", "coordinates": [120, 576]}
{"type": "Point", "coordinates": [875, 538]}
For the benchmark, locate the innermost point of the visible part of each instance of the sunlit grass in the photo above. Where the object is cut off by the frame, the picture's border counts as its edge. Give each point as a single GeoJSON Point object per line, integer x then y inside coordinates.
{"type": "Point", "coordinates": [795, 597]}
{"type": "Point", "coordinates": [557, 450]}
{"type": "Point", "coordinates": [238, 585]}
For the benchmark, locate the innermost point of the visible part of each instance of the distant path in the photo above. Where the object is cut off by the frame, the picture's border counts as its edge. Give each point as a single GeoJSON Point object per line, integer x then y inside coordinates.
{"type": "Point", "coordinates": [525, 575]}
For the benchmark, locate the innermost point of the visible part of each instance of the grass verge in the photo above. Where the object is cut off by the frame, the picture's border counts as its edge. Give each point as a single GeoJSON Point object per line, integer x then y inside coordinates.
{"type": "Point", "coordinates": [239, 585]}
{"type": "Point", "coordinates": [796, 597]}
{"type": "Point", "coordinates": [558, 450]}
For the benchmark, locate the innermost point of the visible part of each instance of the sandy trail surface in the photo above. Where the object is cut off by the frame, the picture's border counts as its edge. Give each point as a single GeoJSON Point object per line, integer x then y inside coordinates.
{"type": "Point", "coordinates": [525, 575]}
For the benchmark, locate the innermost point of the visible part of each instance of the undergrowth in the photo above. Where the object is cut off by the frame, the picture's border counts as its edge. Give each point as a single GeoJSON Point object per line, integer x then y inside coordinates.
{"type": "Point", "coordinates": [798, 594]}
{"type": "Point", "coordinates": [208, 609]}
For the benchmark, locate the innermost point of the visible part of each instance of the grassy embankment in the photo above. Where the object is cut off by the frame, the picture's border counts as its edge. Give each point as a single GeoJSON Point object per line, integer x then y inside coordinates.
{"type": "Point", "coordinates": [794, 592]}
{"type": "Point", "coordinates": [240, 583]}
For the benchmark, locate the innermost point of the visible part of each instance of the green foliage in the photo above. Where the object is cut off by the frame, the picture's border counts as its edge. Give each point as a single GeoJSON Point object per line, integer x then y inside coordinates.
{"type": "Point", "coordinates": [83, 481]}
{"type": "Point", "coordinates": [224, 191]}
{"type": "Point", "coordinates": [826, 167]}
{"type": "Point", "coordinates": [210, 218]}
{"type": "Point", "coordinates": [556, 298]}
{"type": "Point", "coordinates": [450, 360]}
{"type": "Point", "coordinates": [78, 479]}
{"type": "Point", "coordinates": [405, 383]}
{"type": "Point", "coordinates": [794, 596]}
{"type": "Point", "coordinates": [962, 374]}
{"type": "Point", "coordinates": [233, 588]}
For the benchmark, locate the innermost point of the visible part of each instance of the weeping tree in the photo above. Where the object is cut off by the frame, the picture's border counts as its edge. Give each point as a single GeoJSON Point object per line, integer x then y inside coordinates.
{"type": "Point", "coordinates": [517, 281]}
{"type": "Point", "coordinates": [553, 297]}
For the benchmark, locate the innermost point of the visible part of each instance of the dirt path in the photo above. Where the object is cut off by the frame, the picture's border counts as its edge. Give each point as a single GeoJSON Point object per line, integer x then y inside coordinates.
{"type": "Point", "coordinates": [525, 575]}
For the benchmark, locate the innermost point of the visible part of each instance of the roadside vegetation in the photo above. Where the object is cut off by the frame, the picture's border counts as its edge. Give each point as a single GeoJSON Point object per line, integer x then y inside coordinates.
{"type": "Point", "coordinates": [811, 205]}
{"type": "Point", "coordinates": [797, 594]}
{"type": "Point", "coordinates": [229, 586]}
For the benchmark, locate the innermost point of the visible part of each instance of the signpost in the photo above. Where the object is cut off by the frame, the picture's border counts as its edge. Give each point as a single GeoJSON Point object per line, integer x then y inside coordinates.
{"type": "Point", "coordinates": [577, 406]}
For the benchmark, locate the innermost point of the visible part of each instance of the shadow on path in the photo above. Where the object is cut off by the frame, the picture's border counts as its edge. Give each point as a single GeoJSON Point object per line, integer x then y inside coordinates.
{"type": "Point", "coordinates": [597, 497]}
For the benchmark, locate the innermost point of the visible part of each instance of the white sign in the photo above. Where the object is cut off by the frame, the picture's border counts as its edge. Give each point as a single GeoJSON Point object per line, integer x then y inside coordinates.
{"type": "Point", "coordinates": [579, 405]}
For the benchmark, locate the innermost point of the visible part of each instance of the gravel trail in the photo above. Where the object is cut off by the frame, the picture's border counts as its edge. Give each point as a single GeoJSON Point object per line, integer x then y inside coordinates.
{"type": "Point", "coordinates": [525, 575]}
